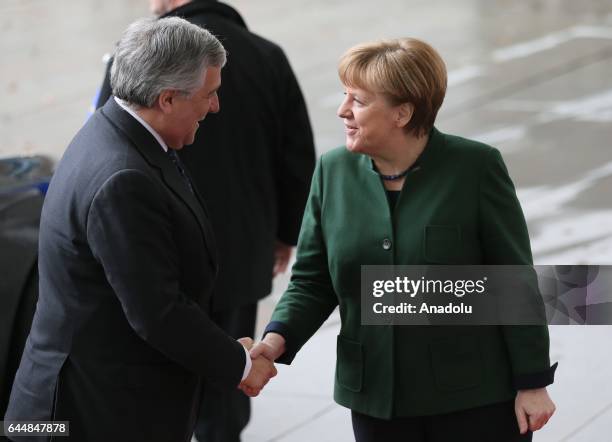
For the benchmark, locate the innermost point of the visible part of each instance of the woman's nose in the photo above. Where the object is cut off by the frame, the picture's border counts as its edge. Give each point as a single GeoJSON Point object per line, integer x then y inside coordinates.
{"type": "Point", "coordinates": [343, 110]}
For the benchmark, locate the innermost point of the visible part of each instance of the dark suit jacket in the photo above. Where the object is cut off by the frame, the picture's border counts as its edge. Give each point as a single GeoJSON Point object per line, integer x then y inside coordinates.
{"type": "Point", "coordinates": [253, 161]}
{"type": "Point", "coordinates": [458, 207]}
{"type": "Point", "coordinates": [121, 339]}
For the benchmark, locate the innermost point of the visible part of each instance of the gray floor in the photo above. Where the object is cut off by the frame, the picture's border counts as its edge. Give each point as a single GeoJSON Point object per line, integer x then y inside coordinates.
{"type": "Point", "coordinates": [533, 78]}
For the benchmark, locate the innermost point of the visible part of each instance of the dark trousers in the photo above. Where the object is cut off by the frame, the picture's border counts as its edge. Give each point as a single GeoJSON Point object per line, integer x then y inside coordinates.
{"type": "Point", "coordinates": [224, 414]}
{"type": "Point", "coordinates": [491, 423]}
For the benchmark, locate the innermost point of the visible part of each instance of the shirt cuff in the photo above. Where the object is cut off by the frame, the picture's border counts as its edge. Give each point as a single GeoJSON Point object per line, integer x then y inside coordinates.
{"type": "Point", "coordinates": [248, 364]}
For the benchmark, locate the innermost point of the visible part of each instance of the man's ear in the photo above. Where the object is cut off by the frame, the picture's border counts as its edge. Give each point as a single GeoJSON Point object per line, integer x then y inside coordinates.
{"type": "Point", "coordinates": [405, 112]}
{"type": "Point", "coordinates": [165, 100]}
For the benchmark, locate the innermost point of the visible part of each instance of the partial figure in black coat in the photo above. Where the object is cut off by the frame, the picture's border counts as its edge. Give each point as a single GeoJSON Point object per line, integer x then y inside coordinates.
{"type": "Point", "coordinates": [121, 341]}
{"type": "Point", "coordinates": [19, 220]}
{"type": "Point", "coordinates": [253, 164]}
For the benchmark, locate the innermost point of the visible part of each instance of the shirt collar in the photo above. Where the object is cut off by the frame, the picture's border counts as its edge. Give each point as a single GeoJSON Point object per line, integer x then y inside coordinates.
{"type": "Point", "coordinates": [138, 118]}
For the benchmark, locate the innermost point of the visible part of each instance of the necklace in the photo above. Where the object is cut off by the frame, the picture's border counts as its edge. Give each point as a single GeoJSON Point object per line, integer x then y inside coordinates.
{"type": "Point", "coordinates": [395, 177]}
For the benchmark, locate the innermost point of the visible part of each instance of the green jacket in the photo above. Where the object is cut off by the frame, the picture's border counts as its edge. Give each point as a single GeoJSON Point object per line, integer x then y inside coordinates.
{"type": "Point", "coordinates": [457, 206]}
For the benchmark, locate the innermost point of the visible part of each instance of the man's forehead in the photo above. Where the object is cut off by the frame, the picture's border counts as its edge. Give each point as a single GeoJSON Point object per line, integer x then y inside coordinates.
{"type": "Point", "coordinates": [212, 80]}
{"type": "Point", "coordinates": [214, 86]}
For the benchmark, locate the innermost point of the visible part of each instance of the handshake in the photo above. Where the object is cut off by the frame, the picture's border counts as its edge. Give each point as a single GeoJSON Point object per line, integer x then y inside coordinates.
{"type": "Point", "coordinates": [263, 354]}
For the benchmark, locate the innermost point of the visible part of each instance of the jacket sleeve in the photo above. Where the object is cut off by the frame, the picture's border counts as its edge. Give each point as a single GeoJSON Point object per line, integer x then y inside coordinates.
{"type": "Point", "coordinates": [295, 156]}
{"type": "Point", "coordinates": [129, 230]}
{"type": "Point", "coordinates": [505, 241]}
{"type": "Point", "coordinates": [310, 297]}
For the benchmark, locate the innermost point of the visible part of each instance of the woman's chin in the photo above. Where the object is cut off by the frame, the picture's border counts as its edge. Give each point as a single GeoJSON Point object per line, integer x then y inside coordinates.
{"type": "Point", "coordinates": [351, 146]}
{"type": "Point", "coordinates": [354, 147]}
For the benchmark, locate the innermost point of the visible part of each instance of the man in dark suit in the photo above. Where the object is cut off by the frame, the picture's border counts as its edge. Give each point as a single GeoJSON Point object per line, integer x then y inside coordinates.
{"type": "Point", "coordinates": [253, 164]}
{"type": "Point", "coordinates": [121, 341]}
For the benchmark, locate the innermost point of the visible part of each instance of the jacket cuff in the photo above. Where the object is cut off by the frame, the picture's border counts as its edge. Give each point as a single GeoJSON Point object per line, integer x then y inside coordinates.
{"type": "Point", "coordinates": [290, 349]}
{"type": "Point", "coordinates": [535, 380]}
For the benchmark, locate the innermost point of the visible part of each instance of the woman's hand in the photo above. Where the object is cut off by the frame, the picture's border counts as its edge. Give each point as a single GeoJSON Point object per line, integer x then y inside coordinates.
{"type": "Point", "coordinates": [533, 409]}
{"type": "Point", "coordinates": [271, 347]}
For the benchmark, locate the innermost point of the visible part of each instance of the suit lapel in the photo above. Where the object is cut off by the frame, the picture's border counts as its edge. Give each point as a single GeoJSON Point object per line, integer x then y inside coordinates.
{"type": "Point", "coordinates": [153, 153]}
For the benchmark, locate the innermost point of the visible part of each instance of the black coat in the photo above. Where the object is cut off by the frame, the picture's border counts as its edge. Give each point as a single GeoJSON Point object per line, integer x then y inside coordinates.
{"type": "Point", "coordinates": [253, 161]}
{"type": "Point", "coordinates": [19, 220]}
{"type": "Point", "coordinates": [121, 339]}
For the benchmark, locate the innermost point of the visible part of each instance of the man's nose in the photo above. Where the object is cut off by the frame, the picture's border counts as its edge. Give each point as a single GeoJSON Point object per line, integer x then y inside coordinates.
{"type": "Point", "coordinates": [215, 106]}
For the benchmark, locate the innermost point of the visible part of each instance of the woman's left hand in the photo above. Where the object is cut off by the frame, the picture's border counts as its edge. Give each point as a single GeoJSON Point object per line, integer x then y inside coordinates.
{"type": "Point", "coordinates": [533, 409]}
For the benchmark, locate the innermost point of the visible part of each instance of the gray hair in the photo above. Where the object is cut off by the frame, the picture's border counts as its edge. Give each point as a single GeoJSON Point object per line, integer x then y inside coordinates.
{"type": "Point", "coordinates": [154, 55]}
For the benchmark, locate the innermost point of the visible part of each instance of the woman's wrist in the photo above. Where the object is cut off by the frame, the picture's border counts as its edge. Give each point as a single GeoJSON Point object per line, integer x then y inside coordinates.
{"type": "Point", "coordinates": [277, 343]}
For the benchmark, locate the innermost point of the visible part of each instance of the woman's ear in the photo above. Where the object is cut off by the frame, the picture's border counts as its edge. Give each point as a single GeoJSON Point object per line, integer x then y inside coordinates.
{"type": "Point", "coordinates": [404, 114]}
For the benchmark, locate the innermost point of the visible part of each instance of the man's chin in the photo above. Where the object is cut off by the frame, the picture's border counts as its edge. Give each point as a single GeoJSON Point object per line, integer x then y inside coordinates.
{"type": "Point", "coordinates": [190, 140]}
{"type": "Point", "coordinates": [187, 143]}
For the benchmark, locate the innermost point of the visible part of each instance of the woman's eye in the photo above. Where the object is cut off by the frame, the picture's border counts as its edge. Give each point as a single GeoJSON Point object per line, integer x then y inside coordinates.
{"type": "Point", "coordinates": [353, 98]}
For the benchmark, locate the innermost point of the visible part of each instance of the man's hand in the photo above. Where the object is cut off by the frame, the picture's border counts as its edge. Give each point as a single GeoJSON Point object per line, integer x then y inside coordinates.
{"type": "Point", "coordinates": [261, 372]}
{"type": "Point", "coordinates": [272, 346]}
{"type": "Point", "coordinates": [282, 253]}
{"type": "Point", "coordinates": [533, 409]}
{"type": "Point", "coordinates": [266, 351]}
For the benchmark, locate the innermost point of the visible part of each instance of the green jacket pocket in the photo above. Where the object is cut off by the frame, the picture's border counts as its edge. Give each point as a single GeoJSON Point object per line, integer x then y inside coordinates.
{"type": "Point", "coordinates": [349, 370]}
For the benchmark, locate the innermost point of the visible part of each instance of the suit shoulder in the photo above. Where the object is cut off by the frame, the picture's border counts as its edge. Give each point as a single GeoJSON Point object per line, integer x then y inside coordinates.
{"type": "Point", "coordinates": [97, 152]}
{"type": "Point", "coordinates": [256, 41]}
{"type": "Point", "coordinates": [273, 55]}
{"type": "Point", "coordinates": [264, 44]}
{"type": "Point", "coordinates": [234, 35]}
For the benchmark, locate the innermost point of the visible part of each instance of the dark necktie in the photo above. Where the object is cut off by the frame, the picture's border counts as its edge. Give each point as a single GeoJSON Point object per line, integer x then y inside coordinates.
{"type": "Point", "coordinates": [181, 169]}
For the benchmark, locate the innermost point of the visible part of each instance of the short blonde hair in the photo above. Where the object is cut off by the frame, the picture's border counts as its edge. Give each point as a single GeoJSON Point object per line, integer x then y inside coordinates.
{"type": "Point", "coordinates": [405, 70]}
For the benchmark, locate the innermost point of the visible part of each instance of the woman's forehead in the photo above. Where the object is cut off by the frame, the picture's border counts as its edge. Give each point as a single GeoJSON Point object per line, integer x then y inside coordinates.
{"type": "Point", "coordinates": [356, 89]}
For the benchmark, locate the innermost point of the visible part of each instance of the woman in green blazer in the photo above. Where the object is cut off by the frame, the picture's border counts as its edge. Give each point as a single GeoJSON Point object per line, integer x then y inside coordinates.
{"type": "Point", "coordinates": [404, 193]}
